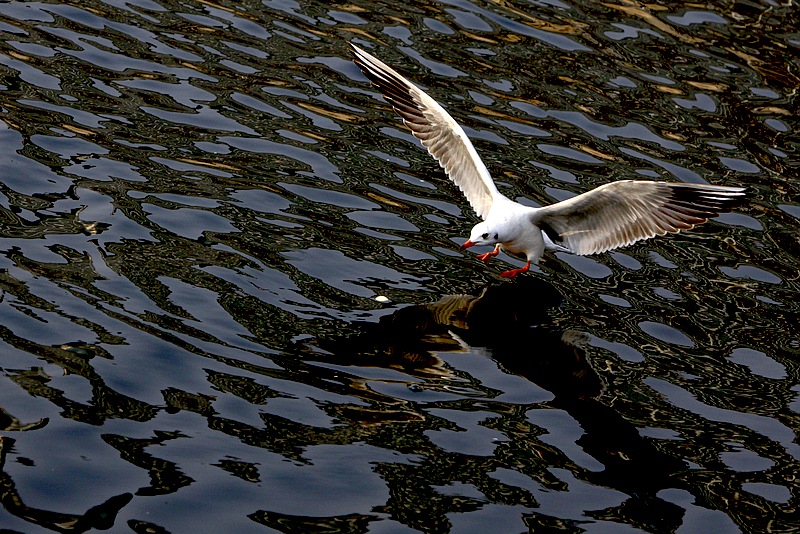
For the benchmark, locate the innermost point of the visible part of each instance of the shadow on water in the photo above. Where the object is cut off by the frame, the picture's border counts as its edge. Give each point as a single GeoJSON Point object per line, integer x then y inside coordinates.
{"type": "Point", "coordinates": [512, 324]}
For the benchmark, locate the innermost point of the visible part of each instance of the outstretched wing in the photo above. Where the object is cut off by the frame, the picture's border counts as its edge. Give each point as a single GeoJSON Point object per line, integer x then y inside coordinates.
{"type": "Point", "coordinates": [620, 213]}
{"type": "Point", "coordinates": [438, 131]}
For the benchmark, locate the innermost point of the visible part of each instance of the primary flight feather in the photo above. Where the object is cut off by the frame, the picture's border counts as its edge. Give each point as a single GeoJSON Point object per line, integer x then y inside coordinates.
{"type": "Point", "coordinates": [607, 217]}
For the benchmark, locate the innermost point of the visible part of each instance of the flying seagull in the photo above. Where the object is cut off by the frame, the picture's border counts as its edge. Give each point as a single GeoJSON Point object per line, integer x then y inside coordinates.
{"type": "Point", "coordinates": [610, 216]}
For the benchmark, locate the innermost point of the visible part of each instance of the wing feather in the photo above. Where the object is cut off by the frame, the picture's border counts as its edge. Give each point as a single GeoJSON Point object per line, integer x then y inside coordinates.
{"type": "Point", "coordinates": [436, 129]}
{"type": "Point", "coordinates": [621, 213]}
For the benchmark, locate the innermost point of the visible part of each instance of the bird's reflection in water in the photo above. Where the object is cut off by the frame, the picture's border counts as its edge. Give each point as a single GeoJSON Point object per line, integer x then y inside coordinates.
{"type": "Point", "coordinates": [512, 322]}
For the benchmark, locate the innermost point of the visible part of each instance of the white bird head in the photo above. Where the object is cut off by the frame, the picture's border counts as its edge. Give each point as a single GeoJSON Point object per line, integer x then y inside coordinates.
{"type": "Point", "coordinates": [482, 234]}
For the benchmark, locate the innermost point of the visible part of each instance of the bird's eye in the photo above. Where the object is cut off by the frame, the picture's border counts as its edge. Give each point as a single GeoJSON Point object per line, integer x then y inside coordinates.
{"type": "Point", "coordinates": [485, 235]}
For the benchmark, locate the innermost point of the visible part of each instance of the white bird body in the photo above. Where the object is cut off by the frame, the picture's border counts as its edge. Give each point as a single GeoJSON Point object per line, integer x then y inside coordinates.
{"type": "Point", "coordinates": [511, 225]}
{"type": "Point", "coordinates": [610, 216]}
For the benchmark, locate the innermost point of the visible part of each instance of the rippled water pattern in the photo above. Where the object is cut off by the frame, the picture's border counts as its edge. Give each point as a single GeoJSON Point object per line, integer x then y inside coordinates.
{"type": "Point", "coordinates": [232, 296]}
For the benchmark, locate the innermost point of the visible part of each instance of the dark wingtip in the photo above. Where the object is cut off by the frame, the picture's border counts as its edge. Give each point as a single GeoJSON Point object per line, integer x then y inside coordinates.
{"type": "Point", "coordinates": [710, 199]}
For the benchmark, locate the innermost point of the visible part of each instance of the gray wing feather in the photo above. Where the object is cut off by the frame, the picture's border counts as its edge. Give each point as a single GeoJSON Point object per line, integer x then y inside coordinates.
{"type": "Point", "coordinates": [621, 213]}
{"type": "Point", "coordinates": [436, 129]}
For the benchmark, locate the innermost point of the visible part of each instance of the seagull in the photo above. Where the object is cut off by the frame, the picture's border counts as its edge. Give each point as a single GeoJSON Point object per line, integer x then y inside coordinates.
{"type": "Point", "coordinates": [610, 216]}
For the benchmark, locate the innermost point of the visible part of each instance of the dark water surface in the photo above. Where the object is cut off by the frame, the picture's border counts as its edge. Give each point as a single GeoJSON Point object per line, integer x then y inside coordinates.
{"type": "Point", "coordinates": [204, 208]}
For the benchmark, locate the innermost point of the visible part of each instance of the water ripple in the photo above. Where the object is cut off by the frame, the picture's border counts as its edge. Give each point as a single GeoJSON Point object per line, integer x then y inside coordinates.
{"type": "Point", "coordinates": [229, 276]}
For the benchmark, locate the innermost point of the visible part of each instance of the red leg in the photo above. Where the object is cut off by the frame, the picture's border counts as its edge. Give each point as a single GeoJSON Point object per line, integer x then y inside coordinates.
{"type": "Point", "coordinates": [486, 257]}
{"type": "Point", "coordinates": [514, 272]}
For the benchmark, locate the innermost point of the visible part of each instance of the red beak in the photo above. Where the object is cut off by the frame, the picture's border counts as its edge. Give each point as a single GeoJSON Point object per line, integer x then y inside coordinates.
{"type": "Point", "coordinates": [466, 245]}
